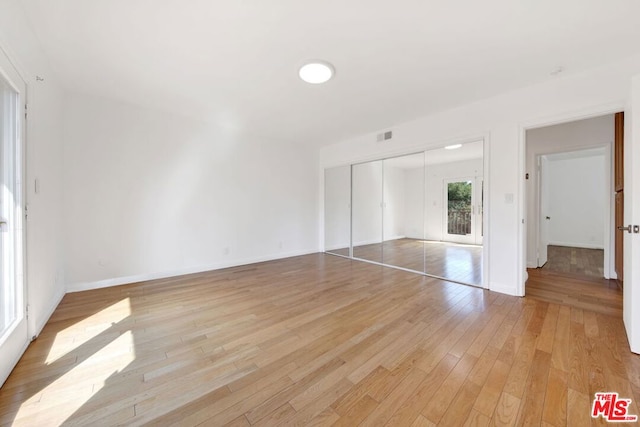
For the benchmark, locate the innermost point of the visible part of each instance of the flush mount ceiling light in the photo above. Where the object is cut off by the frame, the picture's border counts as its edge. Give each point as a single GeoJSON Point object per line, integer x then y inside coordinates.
{"type": "Point", "coordinates": [452, 147]}
{"type": "Point", "coordinates": [316, 72]}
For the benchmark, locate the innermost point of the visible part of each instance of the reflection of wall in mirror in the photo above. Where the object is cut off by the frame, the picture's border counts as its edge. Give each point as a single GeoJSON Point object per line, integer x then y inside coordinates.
{"type": "Point", "coordinates": [337, 208]}
{"type": "Point", "coordinates": [394, 203]}
{"type": "Point", "coordinates": [367, 199]}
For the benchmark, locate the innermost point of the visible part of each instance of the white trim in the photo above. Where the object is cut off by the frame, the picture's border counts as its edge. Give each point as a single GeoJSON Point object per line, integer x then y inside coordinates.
{"type": "Point", "coordinates": [124, 280]}
{"type": "Point", "coordinates": [503, 289]}
{"type": "Point", "coordinates": [14, 362]}
{"type": "Point", "coordinates": [486, 209]}
{"type": "Point", "coordinates": [44, 319]}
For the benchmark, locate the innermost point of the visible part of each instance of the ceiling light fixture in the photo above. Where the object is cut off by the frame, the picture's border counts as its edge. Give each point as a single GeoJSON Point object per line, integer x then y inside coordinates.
{"type": "Point", "coordinates": [452, 147]}
{"type": "Point", "coordinates": [316, 72]}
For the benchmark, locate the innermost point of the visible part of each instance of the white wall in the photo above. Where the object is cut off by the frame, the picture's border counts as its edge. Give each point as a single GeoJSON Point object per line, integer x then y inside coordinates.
{"type": "Point", "coordinates": [150, 194]}
{"type": "Point", "coordinates": [565, 137]}
{"type": "Point", "coordinates": [577, 200]}
{"type": "Point", "coordinates": [45, 274]}
{"type": "Point", "coordinates": [503, 120]}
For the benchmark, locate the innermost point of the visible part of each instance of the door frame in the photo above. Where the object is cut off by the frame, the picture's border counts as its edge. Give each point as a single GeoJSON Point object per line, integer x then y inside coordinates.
{"type": "Point", "coordinates": [543, 227]}
{"type": "Point", "coordinates": [573, 116]}
{"type": "Point", "coordinates": [17, 336]}
{"type": "Point", "coordinates": [608, 220]}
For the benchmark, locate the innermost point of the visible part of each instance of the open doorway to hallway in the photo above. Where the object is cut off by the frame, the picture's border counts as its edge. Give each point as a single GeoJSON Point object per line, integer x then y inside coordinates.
{"type": "Point", "coordinates": [570, 211]}
{"type": "Point", "coordinates": [574, 204]}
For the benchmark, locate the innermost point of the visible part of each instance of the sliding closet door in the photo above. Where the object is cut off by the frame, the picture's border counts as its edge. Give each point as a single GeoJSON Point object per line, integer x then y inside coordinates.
{"type": "Point", "coordinates": [454, 211]}
{"type": "Point", "coordinates": [403, 211]}
{"type": "Point", "coordinates": [366, 212]}
{"type": "Point", "coordinates": [337, 210]}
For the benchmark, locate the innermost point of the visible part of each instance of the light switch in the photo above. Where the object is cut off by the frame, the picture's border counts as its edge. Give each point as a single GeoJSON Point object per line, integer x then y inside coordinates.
{"type": "Point", "coordinates": [508, 198]}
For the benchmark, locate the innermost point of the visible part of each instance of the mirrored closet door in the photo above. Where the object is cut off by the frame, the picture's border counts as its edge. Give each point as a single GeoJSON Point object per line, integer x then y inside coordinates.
{"type": "Point", "coordinates": [366, 222]}
{"type": "Point", "coordinates": [454, 212]}
{"type": "Point", "coordinates": [337, 210]}
{"type": "Point", "coordinates": [421, 212]}
{"type": "Point", "coordinates": [403, 212]}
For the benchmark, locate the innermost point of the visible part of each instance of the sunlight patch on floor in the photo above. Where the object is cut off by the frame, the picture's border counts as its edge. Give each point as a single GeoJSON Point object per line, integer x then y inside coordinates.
{"type": "Point", "coordinates": [88, 329]}
{"type": "Point", "coordinates": [76, 387]}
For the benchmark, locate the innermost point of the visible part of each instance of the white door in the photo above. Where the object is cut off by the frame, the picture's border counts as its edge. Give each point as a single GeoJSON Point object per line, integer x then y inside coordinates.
{"type": "Point", "coordinates": [13, 322]}
{"type": "Point", "coordinates": [545, 215]}
{"type": "Point", "coordinates": [463, 210]}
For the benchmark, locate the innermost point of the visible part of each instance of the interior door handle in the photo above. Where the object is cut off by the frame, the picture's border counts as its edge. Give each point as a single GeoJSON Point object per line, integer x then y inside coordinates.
{"type": "Point", "coordinates": [627, 228]}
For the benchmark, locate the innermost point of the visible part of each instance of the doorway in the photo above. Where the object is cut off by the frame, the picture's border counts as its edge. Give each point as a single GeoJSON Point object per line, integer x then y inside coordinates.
{"type": "Point", "coordinates": [574, 205]}
{"type": "Point", "coordinates": [569, 213]}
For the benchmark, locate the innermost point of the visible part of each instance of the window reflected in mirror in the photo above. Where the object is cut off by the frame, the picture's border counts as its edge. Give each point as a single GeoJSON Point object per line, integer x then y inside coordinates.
{"type": "Point", "coordinates": [453, 212]}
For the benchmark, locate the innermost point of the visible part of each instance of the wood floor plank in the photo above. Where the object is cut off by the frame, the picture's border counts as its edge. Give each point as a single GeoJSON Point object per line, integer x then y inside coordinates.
{"type": "Point", "coordinates": [555, 401]}
{"type": "Point", "coordinates": [323, 340]}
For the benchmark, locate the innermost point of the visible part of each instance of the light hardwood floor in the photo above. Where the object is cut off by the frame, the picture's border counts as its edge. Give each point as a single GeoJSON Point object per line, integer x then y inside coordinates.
{"type": "Point", "coordinates": [317, 340]}
{"type": "Point", "coordinates": [580, 261]}
{"type": "Point", "coordinates": [452, 261]}
{"type": "Point", "coordinates": [589, 293]}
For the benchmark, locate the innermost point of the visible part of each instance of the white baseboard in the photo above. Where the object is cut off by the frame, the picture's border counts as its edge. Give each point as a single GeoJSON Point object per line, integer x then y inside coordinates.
{"type": "Point", "coordinates": [116, 281]}
{"type": "Point", "coordinates": [335, 247]}
{"type": "Point", "coordinates": [577, 245]}
{"type": "Point", "coordinates": [14, 362]}
{"type": "Point", "coordinates": [374, 241]}
{"type": "Point", "coordinates": [503, 289]}
{"type": "Point", "coordinates": [532, 264]}
{"type": "Point", "coordinates": [52, 307]}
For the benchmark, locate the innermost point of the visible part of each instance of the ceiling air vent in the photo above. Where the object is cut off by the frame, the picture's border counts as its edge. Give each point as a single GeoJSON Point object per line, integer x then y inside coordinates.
{"type": "Point", "coordinates": [384, 136]}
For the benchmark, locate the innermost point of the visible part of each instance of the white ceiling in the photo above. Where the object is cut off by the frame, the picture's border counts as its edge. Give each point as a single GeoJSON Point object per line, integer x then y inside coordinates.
{"type": "Point", "coordinates": [235, 62]}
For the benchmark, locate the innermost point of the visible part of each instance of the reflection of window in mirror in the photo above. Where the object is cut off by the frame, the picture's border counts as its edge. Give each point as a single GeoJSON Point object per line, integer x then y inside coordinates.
{"type": "Point", "coordinates": [454, 212]}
